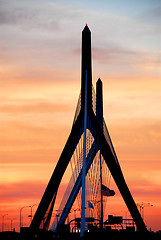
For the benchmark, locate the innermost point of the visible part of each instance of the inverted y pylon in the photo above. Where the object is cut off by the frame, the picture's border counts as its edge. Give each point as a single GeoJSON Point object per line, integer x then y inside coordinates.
{"type": "Point", "coordinates": [102, 142]}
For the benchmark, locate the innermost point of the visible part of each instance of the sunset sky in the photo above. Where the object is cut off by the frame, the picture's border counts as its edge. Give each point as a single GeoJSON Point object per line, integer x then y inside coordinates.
{"type": "Point", "coordinates": [40, 72]}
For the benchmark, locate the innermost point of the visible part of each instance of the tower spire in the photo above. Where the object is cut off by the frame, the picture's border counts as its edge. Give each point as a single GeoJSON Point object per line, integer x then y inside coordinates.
{"type": "Point", "coordinates": [86, 66]}
{"type": "Point", "coordinates": [99, 116]}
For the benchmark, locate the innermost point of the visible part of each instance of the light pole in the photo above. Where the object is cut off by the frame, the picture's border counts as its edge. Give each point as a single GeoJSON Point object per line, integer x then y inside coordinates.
{"type": "Point", "coordinates": [57, 218]}
{"type": "Point", "coordinates": [3, 221]}
{"type": "Point", "coordinates": [74, 210]}
{"type": "Point", "coordinates": [11, 219]}
{"type": "Point", "coordinates": [11, 224]}
{"type": "Point", "coordinates": [146, 205]}
{"type": "Point", "coordinates": [21, 213]}
{"type": "Point", "coordinates": [142, 205]}
{"type": "Point", "coordinates": [31, 211]}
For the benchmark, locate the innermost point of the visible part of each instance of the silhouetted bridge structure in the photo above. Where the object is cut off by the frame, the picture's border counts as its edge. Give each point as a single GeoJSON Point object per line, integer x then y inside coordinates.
{"type": "Point", "coordinates": [90, 152]}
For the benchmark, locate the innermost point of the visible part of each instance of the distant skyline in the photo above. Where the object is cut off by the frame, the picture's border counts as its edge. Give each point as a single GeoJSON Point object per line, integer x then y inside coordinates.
{"type": "Point", "coordinates": [40, 84]}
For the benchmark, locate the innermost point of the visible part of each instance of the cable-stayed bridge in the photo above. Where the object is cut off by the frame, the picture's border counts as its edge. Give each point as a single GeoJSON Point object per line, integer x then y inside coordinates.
{"type": "Point", "coordinates": [90, 152]}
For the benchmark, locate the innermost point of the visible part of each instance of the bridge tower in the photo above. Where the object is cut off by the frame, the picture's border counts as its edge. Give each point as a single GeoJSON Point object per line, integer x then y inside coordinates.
{"type": "Point", "coordinates": [88, 119]}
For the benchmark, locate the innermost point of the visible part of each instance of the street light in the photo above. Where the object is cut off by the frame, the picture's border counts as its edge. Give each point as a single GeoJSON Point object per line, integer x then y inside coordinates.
{"type": "Point", "coordinates": [146, 205]}
{"type": "Point", "coordinates": [57, 217]}
{"type": "Point", "coordinates": [3, 221]}
{"type": "Point", "coordinates": [11, 219]}
{"type": "Point", "coordinates": [31, 211]}
{"type": "Point", "coordinates": [20, 214]}
{"type": "Point", "coordinates": [142, 205]}
{"type": "Point", "coordinates": [74, 210]}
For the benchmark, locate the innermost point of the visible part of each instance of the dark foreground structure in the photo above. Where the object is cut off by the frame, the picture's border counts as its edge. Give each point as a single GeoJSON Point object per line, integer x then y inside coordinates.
{"type": "Point", "coordinates": [95, 234]}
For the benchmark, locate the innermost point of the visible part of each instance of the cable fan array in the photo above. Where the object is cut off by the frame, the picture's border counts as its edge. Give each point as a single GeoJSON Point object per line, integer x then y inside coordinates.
{"type": "Point", "coordinates": [95, 165]}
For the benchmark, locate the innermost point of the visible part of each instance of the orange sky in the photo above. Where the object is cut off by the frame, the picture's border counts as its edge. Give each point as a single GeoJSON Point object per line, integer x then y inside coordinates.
{"type": "Point", "coordinates": [39, 89]}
